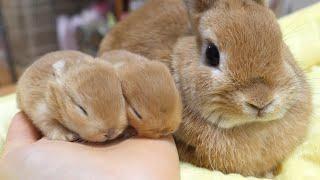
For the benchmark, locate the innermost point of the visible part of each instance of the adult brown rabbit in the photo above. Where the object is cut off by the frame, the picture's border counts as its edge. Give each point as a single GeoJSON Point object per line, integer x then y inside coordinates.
{"type": "Point", "coordinates": [246, 102]}
{"type": "Point", "coordinates": [151, 31]}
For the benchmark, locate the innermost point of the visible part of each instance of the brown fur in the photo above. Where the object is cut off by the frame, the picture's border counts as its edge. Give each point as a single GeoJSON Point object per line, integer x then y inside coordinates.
{"type": "Point", "coordinates": [50, 95]}
{"type": "Point", "coordinates": [252, 148]}
{"type": "Point", "coordinates": [145, 37]}
{"type": "Point", "coordinates": [220, 130]}
{"type": "Point", "coordinates": [150, 92]}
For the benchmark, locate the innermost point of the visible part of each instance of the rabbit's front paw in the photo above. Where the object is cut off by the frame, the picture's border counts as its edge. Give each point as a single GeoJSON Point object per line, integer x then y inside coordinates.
{"type": "Point", "coordinates": [62, 134]}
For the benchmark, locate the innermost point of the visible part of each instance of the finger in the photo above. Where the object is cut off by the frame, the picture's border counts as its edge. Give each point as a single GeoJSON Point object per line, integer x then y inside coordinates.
{"type": "Point", "coordinates": [21, 132]}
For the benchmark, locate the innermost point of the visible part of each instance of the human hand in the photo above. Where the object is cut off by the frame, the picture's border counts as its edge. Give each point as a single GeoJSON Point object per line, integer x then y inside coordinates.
{"type": "Point", "coordinates": [28, 156]}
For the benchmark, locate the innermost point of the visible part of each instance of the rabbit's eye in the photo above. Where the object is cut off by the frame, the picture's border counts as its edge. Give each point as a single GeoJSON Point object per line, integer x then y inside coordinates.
{"type": "Point", "coordinates": [136, 113]}
{"type": "Point", "coordinates": [212, 55]}
{"type": "Point", "coordinates": [83, 110]}
{"type": "Point", "coordinates": [78, 106]}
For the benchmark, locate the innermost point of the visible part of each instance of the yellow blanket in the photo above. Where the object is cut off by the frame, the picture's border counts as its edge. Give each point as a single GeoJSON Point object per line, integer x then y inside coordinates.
{"type": "Point", "coordinates": [302, 33]}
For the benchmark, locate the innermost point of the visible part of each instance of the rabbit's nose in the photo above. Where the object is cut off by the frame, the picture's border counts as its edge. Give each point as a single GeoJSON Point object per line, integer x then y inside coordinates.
{"type": "Point", "coordinates": [259, 107]}
{"type": "Point", "coordinates": [110, 133]}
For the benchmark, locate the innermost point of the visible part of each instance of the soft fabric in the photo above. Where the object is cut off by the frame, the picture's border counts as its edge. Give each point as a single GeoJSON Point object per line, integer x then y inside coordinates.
{"type": "Point", "coordinates": [302, 33]}
{"type": "Point", "coordinates": [8, 108]}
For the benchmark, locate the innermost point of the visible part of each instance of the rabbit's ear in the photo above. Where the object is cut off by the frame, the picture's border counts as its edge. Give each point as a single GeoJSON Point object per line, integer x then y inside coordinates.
{"type": "Point", "coordinates": [195, 8]}
{"type": "Point", "coordinates": [59, 68]}
{"type": "Point", "coordinates": [198, 6]}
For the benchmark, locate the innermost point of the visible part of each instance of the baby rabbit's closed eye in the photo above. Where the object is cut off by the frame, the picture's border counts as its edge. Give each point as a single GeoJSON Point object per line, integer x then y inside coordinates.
{"type": "Point", "coordinates": [83, 110]}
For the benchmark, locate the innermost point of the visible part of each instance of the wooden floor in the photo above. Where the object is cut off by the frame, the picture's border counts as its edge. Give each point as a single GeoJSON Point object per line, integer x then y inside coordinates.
{"type": "Point", "coordinates": [6, 90]}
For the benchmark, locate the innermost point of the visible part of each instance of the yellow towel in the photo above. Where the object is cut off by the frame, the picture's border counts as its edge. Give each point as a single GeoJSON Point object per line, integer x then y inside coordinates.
{"type": "Point", "coordinates": [302, 33]}
{"type": "Point", "coordinates": [7, 110]}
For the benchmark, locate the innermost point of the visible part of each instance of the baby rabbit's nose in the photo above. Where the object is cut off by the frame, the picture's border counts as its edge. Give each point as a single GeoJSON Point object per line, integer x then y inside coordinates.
{"type": "Point", "coordinates": [110, 133]}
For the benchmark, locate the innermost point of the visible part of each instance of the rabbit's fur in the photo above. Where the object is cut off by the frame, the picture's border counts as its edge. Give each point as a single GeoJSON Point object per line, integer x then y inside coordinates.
{"type": "Point", "coordinates": [70, 95]}
{"type": "Point", "coordinates": [151, 31]}
{"type": "Point", "coordinates": [243, 116]}
{"type": "Point", "coordinates": [154, 103]}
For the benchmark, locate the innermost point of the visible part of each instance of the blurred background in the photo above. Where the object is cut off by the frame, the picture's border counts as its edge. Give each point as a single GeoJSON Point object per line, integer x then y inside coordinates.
{"type": "Point", "coordinates": [31, 28]}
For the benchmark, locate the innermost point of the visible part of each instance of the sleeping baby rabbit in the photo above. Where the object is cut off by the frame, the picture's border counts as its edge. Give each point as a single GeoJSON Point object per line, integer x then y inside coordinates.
{"type": "Point", "coordinates": [70, 95]}
{"type": "Point", "coordinates": [246, 101]}
{"type": "Point", "coordinates": [154, 104]}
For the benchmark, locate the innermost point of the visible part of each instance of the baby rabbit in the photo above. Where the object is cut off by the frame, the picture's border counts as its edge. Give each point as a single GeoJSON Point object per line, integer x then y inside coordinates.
{"type": "Point", "coordinates": [69, 95]}
{"type": "Point", "coordinates": [246, 102]}
{"type": "Point", "coordinates": [154, 104]}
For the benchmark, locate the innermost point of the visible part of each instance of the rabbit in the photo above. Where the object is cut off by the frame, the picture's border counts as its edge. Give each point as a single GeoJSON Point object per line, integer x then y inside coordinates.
{"type": "Point", "coordinates": [154, 103]}
{"type": "Point", "coordinates": [71, 96]}
{"type": "Point", "coordinates": [145, 37]}
{"type": "Point", "coordinates": [246, 102]}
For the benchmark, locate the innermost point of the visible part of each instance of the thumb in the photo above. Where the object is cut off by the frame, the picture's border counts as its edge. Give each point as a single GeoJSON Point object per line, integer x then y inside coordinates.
{"type": "Point", "coordinates": [21, 132]}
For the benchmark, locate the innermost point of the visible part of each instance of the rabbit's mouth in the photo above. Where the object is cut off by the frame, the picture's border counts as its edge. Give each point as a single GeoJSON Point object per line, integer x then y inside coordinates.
{"type": "Point", "coordinates": [227, 121]}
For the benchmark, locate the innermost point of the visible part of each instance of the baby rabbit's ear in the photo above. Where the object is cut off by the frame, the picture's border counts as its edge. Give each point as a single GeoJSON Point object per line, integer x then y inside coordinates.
{"type": "Point", "coordinates": [58, 69]}
{"type": "Point", "coordinates": [54, 94]}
